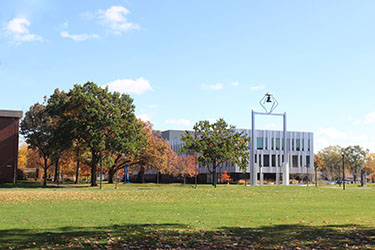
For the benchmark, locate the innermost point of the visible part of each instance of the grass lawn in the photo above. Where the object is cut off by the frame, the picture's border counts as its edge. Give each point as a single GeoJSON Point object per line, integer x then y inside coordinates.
{"type": "Point", "coordinates": [172, 216]}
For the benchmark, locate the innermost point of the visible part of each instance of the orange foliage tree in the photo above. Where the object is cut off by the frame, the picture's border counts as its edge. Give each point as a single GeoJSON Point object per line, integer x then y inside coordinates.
{"type": "Point", "coordinates": [157, 155]}
{"type": "Point", "coordinates": [225, 177]}
{"type": "Point", "coordinates": [185, 167]}
{"type": "Point", "coordinates": [22, 156]}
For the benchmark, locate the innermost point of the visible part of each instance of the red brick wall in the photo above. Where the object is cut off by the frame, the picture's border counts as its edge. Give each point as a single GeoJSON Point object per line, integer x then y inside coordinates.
{"type": "Point", "coordinates": [9, 128]}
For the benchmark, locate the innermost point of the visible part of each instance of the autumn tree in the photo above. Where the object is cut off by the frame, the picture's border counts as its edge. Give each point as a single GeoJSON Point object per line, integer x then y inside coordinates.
{"type": "Point", "coordinates": [330, 164]}
{"type": "Point", "coordinates": [370, 165]}
{"type": "Point", "coordinates": [217, 143]}
{"type": "Point", "coordinates": [158, 155]}
{"type": "Point", "coordinates": [186, 167]}
{"type": "Point", "coordinates": [37, 128]}
{"type": "Point", "coordinates": [22, 157]}
{"type": "Point", "coordinates": [225, 177]}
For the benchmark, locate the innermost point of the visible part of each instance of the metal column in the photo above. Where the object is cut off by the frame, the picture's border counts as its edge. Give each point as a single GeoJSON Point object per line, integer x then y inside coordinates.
{"type": "Point", "coordinates": [253, 168]}
{"type": "Point", "coordinates": [286, 157]}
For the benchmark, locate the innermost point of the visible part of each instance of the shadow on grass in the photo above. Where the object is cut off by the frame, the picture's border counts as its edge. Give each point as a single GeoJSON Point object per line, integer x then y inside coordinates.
{"type": "Point", "coordinates": [164, 236]}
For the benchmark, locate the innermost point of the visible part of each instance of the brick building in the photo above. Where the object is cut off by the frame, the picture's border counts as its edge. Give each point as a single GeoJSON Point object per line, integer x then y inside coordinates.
{"type": "Point", "coordinates": [9, 130]}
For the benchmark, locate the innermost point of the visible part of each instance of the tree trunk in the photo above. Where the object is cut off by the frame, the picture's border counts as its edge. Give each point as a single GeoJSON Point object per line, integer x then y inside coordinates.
{"type": "Point", "coordinates": [93, 170]}
{"type": "Point", "coordinates": [57, 170]}
{"type": "Point", "coordinates": [111, 174]}
{"type": "Point", "coordinates": [45, 172]}
{"type": "Point", "coordinates": [141, 175]}
{"type": "Point", "coordinates": [184, 180]}
{"type": "Point", "coordinates": [77, 169]}
{"type": "Point", "coordinates": [215, 176]}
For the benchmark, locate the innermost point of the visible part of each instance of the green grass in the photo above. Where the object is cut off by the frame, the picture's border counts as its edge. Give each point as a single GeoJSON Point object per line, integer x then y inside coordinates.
{"type": "Point", "coordinates": [171, 216]}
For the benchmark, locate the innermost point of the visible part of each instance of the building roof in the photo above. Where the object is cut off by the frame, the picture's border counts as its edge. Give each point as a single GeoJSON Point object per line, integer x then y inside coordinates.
{"type": "Point", "coordinates": [11, 113]}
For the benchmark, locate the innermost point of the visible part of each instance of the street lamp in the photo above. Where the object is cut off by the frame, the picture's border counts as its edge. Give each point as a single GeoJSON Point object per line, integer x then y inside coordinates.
{"type": "Point", "coordinates": [343, 170]}
{"type": "Point", "coordinates": [267, 100]}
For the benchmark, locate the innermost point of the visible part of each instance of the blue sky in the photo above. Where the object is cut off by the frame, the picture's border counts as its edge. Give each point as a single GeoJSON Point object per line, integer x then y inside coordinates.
{"type": "Point", "coordinates": [185, 61]}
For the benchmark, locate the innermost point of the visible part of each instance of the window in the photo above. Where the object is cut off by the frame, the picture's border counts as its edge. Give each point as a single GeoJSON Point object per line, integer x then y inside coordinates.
{"type": "Point", "coordinates": [266, 159]}
{"type": "Point", "coordinates": [266, 143]}
{"type": "Point", "coordinates": [255, 158]}
{"type": "Point", "coordinates": [308, 161]}
{"type": "Point", "coordinates": [259, 142]}
{"type": "Point", "coordinates": [298, 144]}
{"type": "Point", "coordinates": [303, 144]}
{"type": "Point", "coordinates": [308, 145]}
{"type": "Point", "coordinates": [278, 161]}
{"type": "Point", "coordinates": [277, 143]}
{"type": "Point", "coordinates": [273, 157]}
{"type": "Point", "coordinates": [272, 143]}
{"type": "Point", "coordinates": [293, 144]}
{"type": "Point", "coordinates": [295, 161]}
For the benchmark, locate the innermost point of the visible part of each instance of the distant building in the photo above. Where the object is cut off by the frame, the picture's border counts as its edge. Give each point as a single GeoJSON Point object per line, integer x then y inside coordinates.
{"type": "Point", "coordinates": [9, 130]}
{"type": "Point", "coordinates": [269, 154]}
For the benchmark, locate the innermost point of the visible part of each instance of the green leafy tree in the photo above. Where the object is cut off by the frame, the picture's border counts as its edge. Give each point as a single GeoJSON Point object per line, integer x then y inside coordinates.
{"type": "Point", "coordinates": [37, 128]}
{"type": "Point", "coordinates": [355, 157]}
{"type": "Point", "coordinates": [330, 158]}
{"type": "Point", "coordinates": [217, 143]}
{"type": "Point", "coordinates": [97, 120]}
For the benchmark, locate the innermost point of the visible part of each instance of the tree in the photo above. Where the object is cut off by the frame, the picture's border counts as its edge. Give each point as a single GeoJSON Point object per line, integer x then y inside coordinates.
{"type": "Point", "coordinates": [185, 166]}
{"type": "Point", "coordinates": [37, 128]}
{"type": "Point", "coordinates": [370, 165]}
{"type": "Point", "coordinates": [123, 148]}
{"type": "Point", "coordinates": [217, 143]}
{"type": "Point", "coordinates": [157, 155]}
{"type": "Point", "coordinates": [96, 119]}
{"type": "Point", "coordinates": [330, 158]}
{"type": "Point", "coordinates": [355, 159]}
{"type": "Point", "coordinates": [225, 177]}
{"type": "Point", "coordinates": [22, 157]}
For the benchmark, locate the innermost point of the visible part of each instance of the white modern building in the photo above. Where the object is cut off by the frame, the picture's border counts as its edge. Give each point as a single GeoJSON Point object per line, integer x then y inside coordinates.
{"type": "Point", "coordinates": [269, 155]}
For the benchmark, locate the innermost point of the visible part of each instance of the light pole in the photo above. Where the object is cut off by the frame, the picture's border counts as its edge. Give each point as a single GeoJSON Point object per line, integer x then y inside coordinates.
{"type": "Point", "coordinates": [343, 170]}
{"type": "Point", "coordinates": [339, 176]}
{"type": "Point", "coordinates": [268, 99]}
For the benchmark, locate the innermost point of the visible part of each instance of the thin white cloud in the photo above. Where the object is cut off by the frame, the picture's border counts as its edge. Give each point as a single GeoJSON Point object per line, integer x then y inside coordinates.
{"type": "Point", "coordinates": [152, 106]}
{"type": "Point", "coordinates": [79, 37]}
{"type": "Point", "coordinates": [138, 86]}
{"type": "Point", "coordinates": [211, 120]}
{"type": "Point", "coordinates": [65, 25]}
{"type": "Point", "coordinates": [17, 30]}
{"type": "Point", "coordinates": [213, 87]}
{"type": "Point", "coordinates": [332, 133]}
{"type": "Point", "coordinates": [144, 117]}
{"type": "Point", "coordinates": [179, 122]}
{"type": "Point", "coordinates": [332, 136]}
{"type": "Point", "coordinates": [235, 84]}
{"type": "Point", "coordinates": [370, 118]}
{"type": "Point", "coordinates": [257, 88]}
{"type": "Point", "coordinates": [114, 19]}
{"type": "Point", "coordinates": [271, 126]}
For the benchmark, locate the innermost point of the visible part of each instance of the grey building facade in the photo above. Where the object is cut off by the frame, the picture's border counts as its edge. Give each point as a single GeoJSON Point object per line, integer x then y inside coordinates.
{"type": "Point", "coordinates": [269, 154]}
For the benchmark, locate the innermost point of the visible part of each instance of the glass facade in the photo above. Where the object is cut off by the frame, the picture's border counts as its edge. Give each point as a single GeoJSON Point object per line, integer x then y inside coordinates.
{"type": "Point", "coordinates": [266, 160]}
{"type": "Point", "coordinates": [277, 143]}
{"type": "Point", "coordinates": [298, 144]}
